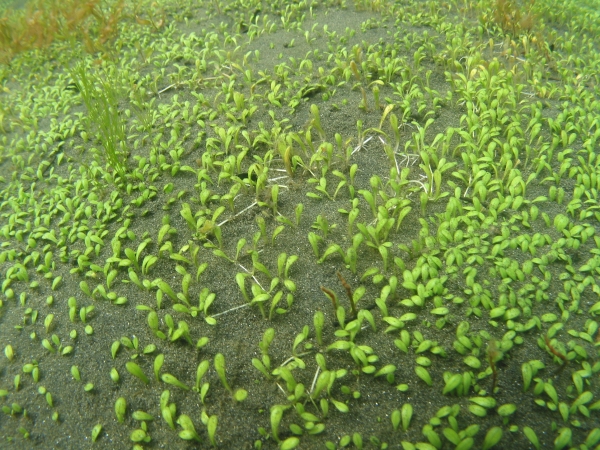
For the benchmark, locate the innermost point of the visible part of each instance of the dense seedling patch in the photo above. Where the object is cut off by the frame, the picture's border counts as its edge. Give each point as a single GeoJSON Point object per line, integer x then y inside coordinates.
{"type": "Point", "coordinates": [301, 225]}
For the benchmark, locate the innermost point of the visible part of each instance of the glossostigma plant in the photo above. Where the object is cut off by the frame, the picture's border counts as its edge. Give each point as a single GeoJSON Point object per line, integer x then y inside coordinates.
{"type": "Point", "coordinates": [401, 212]}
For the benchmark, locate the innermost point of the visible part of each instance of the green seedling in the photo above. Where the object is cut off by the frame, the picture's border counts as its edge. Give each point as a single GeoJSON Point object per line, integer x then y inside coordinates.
{"type": "Point", "coordinates": [167, 414]}
{"type": "Point", "coordinates": [75, 373]}
{"type": "Point", "coordinates": [274, 198]}
{"type": "Point", "coordinates": [120, 409]}
{"type": "Point", "coordinates": [165, 288]}
{"type": "Point", "coordinates": [48, 345]}
{"type": "Point", "coordinates": [142, 416]}
{"type": "Point", "coordinates": [257, 265]}
{"type": "Point", "coordinates": [332, 249]}
{"type": "Point", "coordinates": [140, 435]}
{"type": "Point", "coordinates": [211, 428]}
{"type": "Point", "coordinates": [267, 339]}
{"type": "Point", "coordinates": [56, 282]}
{"type": "Point", "coordinates": [277, 299]}
{"type": "Point", "coordinates": [85, 311]}
{"type": "Point", "coordinates": [321, 186]}
{"type": "Point", "coordinates": [323, 225]}
{"type": "Point", "coordinates": [298, 211]}
{"type": "Point", "coordinates": [24, 432]}
{"type": "Point", "coordinates": [96, 432]}
{"type": "Point", "coordinates": [406, 415]}
{"type": "Point", "coordinates": [220, 368]}
{"type": "Point", "coordinates": [423, 374]}
{"type": "Point", "coordinates": [314, 240]}
{"type": "Point", "coordinates": [370, 199]}
{"type": "Point", "coordinates": [240, 279]}
{"type": "Point", "coordinates": [85, 288]}
{"type": "Point", "coordinates": [530, 434]}
{"type": "Point", "coordinates": [170, 379]}
{"type": "Point", "coordinates": [316, 120]}
{"type": "Point", "coordinates": [262, 366]}
{"type": "Point", "coordinates": [351, 256]}
{"type": "Point", "coordinates": [189, 431]}
{"type": "Point", "coordinates": [319, 322]}
{"type": "Point", "coordinates": [276, 232]}
{"type": "Point", "coordinates": [200, 372]}
{"type": "Point", "coordinates": [240, 394]}
{"type": "Point", "coordinates": [114, 348]}
{"type": "Point", "coordinates": [276, 416]}
{"type": "Point", "coordinates": [164, 401]}
{"type": "Point", "coordinates": [152, 320]}
{"type": "Point", "coordinates": [363, 103]}
{"type": "Point", "coordinates": [136, 371]}
{"type": "Point", "coordinates": [33, 369]}
{"type": "Point", "coordinates": [9, 352]}
{"type": "Point", "coordinates": [492, 437]}
{"type": "Point", "coordinates": [283, 266]}
{"type": "Point", "coordinates": [182, 331]}
{"type": "Point", "coordinates": [158, 363]}
{"type": "Point", "coordinates": [395, 418]}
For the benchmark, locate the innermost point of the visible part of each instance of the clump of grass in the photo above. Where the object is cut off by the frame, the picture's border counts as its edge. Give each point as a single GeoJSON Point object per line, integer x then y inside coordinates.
{"type": "Point", "coordinates": [103, 117]}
